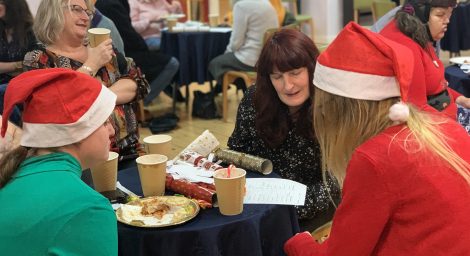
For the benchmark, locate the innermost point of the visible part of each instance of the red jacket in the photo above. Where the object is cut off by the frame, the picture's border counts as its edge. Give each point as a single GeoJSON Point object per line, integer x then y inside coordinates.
{"type": "Point", "coordinates": [428, 74]}
{"type": "Point", "coordinates": [398, 203]}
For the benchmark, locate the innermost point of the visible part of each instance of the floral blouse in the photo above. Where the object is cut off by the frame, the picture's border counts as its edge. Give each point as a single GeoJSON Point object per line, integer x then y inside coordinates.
{"type": "Point", "coordinates": [297, 158]}
{"type": "Point", "coordinates": [126, 139]}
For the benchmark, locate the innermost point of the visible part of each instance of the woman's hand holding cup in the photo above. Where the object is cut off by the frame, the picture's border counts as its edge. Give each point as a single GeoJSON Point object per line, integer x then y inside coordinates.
{"type": "Point", "coordinates": [100, 55]}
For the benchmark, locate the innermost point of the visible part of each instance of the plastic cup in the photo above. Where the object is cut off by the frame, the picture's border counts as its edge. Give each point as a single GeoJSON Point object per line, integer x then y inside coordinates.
{"type": "Point", "coordinates": [104, 175]}
{"type": "Point", "coordinates": [152, 173]}
{"type": "Point", "coordinates": [171, 23]}
{"type": "Point", "coordinates": [158, 144]}
{"type": "Point", "coordinates": [230, 190]}
{"type": "Point", "coordinates": [97, 35]}
{"type": "Point", "coordinates": [213, 20]}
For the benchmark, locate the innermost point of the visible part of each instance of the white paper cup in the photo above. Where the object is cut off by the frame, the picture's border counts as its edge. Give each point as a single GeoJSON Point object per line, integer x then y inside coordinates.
{"type": "Point", "coordinates": [158, 144]}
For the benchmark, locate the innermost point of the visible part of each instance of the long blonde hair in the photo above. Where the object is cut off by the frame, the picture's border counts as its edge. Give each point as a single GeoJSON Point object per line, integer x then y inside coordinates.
{"type": "Point", "coordinates": [342, 124]}
{"type": "Point", "coordinates": [49, 20]}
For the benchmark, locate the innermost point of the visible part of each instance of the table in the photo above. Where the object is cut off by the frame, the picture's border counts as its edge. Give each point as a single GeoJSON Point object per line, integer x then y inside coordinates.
{"type": "Point", "coordinates": [458, 80]}
{"type": "Point", "coordinates": [457, 36]}
{"type": "Point", "coordinates": [258, 230]}
{"type": "Point", "coordinates": [194, 51]}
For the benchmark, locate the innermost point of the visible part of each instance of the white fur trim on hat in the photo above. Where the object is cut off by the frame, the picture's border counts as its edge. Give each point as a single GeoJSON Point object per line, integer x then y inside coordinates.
{"type": "Point", "coordinates": [55, 135]}
{"type": "Point", "coordinates": [355, 85]}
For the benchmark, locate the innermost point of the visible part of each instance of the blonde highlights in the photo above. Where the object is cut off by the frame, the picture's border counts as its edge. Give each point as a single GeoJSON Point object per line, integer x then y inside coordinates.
{"type": "Point", "coordinates": [49, 21]}
{"type": "Point", "coordinates": [342, 124]}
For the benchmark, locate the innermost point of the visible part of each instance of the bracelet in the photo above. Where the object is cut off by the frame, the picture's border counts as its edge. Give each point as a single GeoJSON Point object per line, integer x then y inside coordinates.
{"type": "Point", "coordinates": [89, 70]}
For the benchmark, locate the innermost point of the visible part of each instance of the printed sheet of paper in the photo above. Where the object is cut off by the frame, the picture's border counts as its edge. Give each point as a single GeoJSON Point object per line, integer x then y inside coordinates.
{"type": "Point", "coordinates": [274, 191]}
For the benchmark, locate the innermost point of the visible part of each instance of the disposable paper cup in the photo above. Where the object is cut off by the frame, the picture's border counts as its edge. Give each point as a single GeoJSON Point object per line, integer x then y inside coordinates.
{"type": "Point", "coordinates": [171, 23]}
{"type": "Point", "coordinates": [158, 144]}
{"type": "Point", "coordinates": [152, 173]}
{"type": "Point", "coordinates": [213, 20]}
{"type": "Point", "coordinates": [97, 35]}
{"type": "Point", "coordinates": [104, 175]}
{"type": "Point", "coordinates": [230, 191]}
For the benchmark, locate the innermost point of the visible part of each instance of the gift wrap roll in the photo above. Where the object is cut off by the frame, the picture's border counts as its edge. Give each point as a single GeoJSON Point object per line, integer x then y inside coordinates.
{"type": "Point", "coordinates": [245, 161]}
{"type": "Point", "coordinates": [203, 145]}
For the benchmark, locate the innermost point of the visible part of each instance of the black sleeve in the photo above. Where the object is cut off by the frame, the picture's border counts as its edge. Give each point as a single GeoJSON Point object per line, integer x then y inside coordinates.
{"type": "Point", "coordinates": [118, 12]}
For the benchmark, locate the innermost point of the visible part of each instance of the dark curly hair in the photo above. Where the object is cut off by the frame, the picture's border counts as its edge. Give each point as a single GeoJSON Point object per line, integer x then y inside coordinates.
{"type": "Point", "coordinates": [285, 50]}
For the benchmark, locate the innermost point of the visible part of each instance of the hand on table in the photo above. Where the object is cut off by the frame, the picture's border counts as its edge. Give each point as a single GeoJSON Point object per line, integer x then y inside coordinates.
{"type": "Point", "coordinates": [463, 101]}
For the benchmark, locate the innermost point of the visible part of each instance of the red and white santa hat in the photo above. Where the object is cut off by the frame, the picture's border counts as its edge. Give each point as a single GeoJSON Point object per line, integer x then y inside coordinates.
{"type": "Point", "coordinates": [361, 64]}
{"type": "Point", "coordinates": [61, 106]}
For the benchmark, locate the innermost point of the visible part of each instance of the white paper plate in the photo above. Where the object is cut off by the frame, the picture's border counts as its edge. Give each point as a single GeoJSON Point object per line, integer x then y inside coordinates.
{"type": "Point", "coordinates": [460, 60]}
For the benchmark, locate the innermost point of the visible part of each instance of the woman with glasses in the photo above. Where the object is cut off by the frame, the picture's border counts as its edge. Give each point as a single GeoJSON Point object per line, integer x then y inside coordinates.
{"type": "Point", "coordinates": [61, 25]}
{"type": "Point", "coordinates": [418, 25]}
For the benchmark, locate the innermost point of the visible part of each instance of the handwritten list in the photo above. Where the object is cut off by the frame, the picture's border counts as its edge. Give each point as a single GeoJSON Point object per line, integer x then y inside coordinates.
{"type": "Point", "coordinates": [274, 191]}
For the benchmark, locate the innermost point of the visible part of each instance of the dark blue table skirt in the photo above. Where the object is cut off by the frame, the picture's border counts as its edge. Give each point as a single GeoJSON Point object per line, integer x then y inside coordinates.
{"type": "Point", "coordinates": [458, 80]}
{"type": "Point", "coordinates": [259, 230]}
{"type": "Point", "coordinates": [194, 51]}
{"type": "Point", "coordinates": [457, 36]}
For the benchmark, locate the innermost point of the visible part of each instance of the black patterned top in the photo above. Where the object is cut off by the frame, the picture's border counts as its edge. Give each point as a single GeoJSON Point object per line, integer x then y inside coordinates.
{"type": "Point", "coordinates": [297, 158]}
{"type": "Point", "coordinates": [12, 51]}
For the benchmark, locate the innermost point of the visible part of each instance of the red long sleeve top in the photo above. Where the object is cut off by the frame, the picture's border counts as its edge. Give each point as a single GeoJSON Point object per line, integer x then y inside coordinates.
{"type": "Point", "coordinates": [398, 202]}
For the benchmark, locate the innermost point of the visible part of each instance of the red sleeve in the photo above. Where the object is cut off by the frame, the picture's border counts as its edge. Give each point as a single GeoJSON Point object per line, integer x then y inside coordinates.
{"type": "Point", "coordinates": [364, 210]}
{"type": "Point", "coordinates": [302, 244]}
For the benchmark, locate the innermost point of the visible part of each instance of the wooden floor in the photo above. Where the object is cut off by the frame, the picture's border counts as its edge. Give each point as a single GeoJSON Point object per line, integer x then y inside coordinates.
{"type": "Point", "coordinates": [190, 128]}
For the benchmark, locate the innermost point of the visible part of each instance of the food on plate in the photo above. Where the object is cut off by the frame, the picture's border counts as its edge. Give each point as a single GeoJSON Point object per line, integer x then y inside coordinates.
{"type": "Point", "coordinates": [157, 211]}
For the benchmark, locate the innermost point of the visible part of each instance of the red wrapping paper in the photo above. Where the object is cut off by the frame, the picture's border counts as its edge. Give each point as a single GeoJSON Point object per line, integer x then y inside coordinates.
{"type": "Point", "coordinates": [204, 193]}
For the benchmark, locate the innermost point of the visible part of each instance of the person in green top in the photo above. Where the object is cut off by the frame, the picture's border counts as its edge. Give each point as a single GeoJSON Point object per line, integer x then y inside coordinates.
{"type": "Point", "coordinates": [45, 207]}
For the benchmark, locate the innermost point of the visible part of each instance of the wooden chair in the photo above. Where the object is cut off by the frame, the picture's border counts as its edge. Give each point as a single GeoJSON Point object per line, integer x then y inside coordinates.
{"type": "Point", "coordinates": [301, 18]}
{"type": "Point", "coordinates": [380, 8]}
{"type": "Point", "coordinates": [361, 6]}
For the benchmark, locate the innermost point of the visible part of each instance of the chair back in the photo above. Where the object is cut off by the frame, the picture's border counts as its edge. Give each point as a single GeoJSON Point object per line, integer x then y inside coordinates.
{"type": "Point", "coordinates": [362, 5]}
{"type": "Point", "coordinates": [381, 7]}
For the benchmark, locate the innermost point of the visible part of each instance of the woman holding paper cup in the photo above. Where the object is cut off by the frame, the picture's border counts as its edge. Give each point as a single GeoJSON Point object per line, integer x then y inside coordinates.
{"type": "Point", "coordinates": [62, 25]}
{"type": "Point", "coordinates": [274, 121]}
{"type": "Point", "coordinates": [44, 200]}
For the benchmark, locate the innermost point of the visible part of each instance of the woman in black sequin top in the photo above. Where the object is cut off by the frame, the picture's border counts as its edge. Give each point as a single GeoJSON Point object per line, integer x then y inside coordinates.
{"type": "Point", "coordinates": [16, 37]}
{"type": "Point", "coordinates": [274, 121]}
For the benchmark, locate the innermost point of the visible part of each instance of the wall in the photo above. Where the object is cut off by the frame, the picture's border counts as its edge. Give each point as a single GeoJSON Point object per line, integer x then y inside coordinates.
{"type": "Point", "coordinates": [327, 17]}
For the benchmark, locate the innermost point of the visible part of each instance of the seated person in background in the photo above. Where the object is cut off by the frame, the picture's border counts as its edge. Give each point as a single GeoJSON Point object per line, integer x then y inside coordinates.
{"type": "Point", "coordinates": [101, 21]}
{"type": "Point", "coordinates": [159, 68]}
{"type": "Point", "coordinates": [274, 121]}
{"type": "Point", "coordinates": [148, 18]}
{"type": "Point", "coordinates": [251, 19]}
{"type": "Point", "coordinates": [16, 39]}
{"type": "Point", "coordinates": [65, 48]}
{"type": "Point", "coordinates": [418, 25]}
{"type": "Point", "coordinates": [405, 178]}
{"type": "Point", "coordinates": [47, 206]}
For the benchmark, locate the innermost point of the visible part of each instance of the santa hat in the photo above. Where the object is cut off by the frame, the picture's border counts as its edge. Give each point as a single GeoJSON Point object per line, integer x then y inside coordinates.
{"type": "Point", "coordinates": [361, 64]}
{"type": "Point", "coordinates": [61, 106]}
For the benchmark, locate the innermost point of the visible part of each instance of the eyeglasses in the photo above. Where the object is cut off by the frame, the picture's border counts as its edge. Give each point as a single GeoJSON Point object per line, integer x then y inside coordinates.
{"type": "Point", "coordinates": [77, 9]}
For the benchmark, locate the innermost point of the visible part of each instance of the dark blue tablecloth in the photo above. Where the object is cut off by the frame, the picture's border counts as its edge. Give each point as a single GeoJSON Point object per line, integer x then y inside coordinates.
{"type": "Point", "coordinates": [458, 80]}
{"type": "Point", "coordinates": [258, 230]}
{"type": "Point", "coordinates": [194, 51]}
{"type": "Point", "coordinates": [457, 37]}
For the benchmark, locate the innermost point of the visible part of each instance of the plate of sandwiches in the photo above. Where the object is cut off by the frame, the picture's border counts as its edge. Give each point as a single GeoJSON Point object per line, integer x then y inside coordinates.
{"type": "Point", "coordinates": [157, 211]}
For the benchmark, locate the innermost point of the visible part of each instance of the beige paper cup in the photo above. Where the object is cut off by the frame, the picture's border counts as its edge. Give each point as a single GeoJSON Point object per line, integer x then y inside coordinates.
{"type": "Point", "coordinates": [97, 35]}
{"type": "Point", "coordinates": [152, 173]}
{"type": "Point", "coordinates": [230, 191]}
{"type": "Point", "coordinates": [158, 144]}
{"type": "Point", "coordinates": [104, 175]}
{"type": "Point", "coordinates": [213, 20]}
{"type": "Point", "coordinates": [171, 23]}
